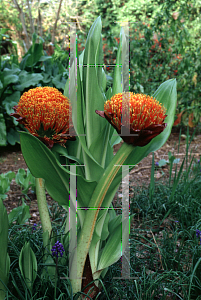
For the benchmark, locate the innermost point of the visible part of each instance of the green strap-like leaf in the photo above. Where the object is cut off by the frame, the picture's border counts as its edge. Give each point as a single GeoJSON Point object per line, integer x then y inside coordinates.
{"type": "Point", "coordinates": [93, 96]}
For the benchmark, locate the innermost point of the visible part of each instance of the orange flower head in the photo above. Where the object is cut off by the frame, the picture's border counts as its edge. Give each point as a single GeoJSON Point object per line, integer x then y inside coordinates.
{"type": "Point", "coordinates": [45, 111]}
{"type": "Point", "coordinates": [146, 119]}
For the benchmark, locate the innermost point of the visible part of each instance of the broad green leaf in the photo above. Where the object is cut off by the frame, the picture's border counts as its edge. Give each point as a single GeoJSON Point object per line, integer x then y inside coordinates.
{"type": "Point", "coordinates": [59, 82]}
{"type": "Point", "coordinates": [95, 170]}
{"type": "Point", "coordinates": [49, 271]}
{"type": "Point", "coordinates": [63, 152]}
{"type": "Point", "coordinates": [44, 58]}
{"type": "Point", "coordinates": [20, 213]}
{"type": "Point", "coordinates": [3, 31]}
{"type": "Point", "coordinates": [24, 62]}
{"type": "Point", "coordinates": [116, 139]}
{"type": "Point", "coordinates": [20, 176]}
{"type": "Point", "coordinates": [117, 86]}
{"type": "Point", "coordinates": [44, 165]}
{"type": "Point", "coordinates": [10, 175]}
{"type": "Point", "coordinates": [3, 235]}
{"type": "Point", "coordinates": [28, 265]}
{"type": "Point", "coordinates": [13, 71]}
{"type": "Point", "coordinates": [13, 137]}
{"type": "Point", "coordinates": [4, 275]}
{"type": "Point", "coordinates": [81, 58]}
{"type": "Point", "coordinates": [114, 223]}
{"type": "Point", "coordinates": [46, 78]}
{"type": "Point", "coordinates": [10, 79]}
{"type": "Point", "coordinates": [112, 250]}
{"type": "Point", "coordinates": [4, 257]}
{"type": "Point", "coordinates": [28, 80]}
{"type": "Point", "coordinates": [95, 242]}
{"type": "Point", "coordinates": [4, 185]}
{"type": "Point", "coordinates": [104, 80]}
{"type": "Point", "coordinates": [104, 152]}
{"type": "Point", "coordinates": [93, 96]}
{"type": "Point", "coordinates": [11, 101]}
{"type": "Point", "coordinates": [3, 138]}
{"type": "Point", "coordinates": [25, 215]}
{"type": "Point", "coordinates": [36, 52]}
{"type": "Point", "coordinates": [108, 93]}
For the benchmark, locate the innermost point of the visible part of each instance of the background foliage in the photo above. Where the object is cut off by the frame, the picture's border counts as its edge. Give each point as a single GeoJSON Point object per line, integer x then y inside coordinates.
{"type": "Point", "coordinates": [164, 44]}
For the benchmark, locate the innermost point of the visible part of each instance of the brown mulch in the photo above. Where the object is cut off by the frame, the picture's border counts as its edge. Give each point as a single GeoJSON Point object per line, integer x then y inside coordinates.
{"type": "Point", "coordinates": [11, 159]}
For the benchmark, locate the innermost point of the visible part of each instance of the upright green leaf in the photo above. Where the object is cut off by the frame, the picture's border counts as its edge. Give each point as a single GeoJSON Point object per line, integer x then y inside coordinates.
{"type": "Point", "coordinates": [114, 247]}
{"type": "Point", "coordinates": [4, 257]}
{"type": "Point", "coordinates": [93, 96]}
{"type": "Point", "coordinates": [28, 265]}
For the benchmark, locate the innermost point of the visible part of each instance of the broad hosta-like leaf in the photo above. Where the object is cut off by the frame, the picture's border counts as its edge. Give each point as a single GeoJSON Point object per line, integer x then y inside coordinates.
{"type": "Point", "coordinates": [28, 80]}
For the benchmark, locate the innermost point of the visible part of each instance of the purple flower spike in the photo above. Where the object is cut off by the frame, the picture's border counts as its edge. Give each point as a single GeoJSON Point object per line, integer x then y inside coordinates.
{"type": "Point", "coordinates": [57, 249]}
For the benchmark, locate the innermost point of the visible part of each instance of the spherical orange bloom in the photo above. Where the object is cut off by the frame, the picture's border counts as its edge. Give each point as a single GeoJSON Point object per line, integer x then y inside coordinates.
{"type": "Point", "coordinates": [45, 111]}
{"type": "Point", "coordinates": [146, 121]}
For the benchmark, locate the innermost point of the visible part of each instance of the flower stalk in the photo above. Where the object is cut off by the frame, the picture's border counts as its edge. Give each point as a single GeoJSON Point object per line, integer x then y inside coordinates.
{"type": "Point", "coordinates": [42, 206]}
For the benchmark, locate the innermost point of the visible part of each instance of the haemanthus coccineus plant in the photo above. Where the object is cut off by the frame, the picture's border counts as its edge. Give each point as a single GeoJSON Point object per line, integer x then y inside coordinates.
{"type": "Point", "coordinates": [101, 234]}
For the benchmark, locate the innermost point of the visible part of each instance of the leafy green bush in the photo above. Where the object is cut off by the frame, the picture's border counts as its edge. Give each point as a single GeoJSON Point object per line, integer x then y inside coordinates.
{"type": "Point", "coordinates": [164, 43]}
{"type": "Point", "coordinates": [5, 180]}
{"type": "Point", "coordinates": [24, 179]}
{"type": "Point", "coordinates": [35, 69]}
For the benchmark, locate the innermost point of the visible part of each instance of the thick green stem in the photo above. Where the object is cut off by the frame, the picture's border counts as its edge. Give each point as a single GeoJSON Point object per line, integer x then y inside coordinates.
{"type": "Point", "coordinates": [42, 206]}
{"type": "Point", "coordinates": [91, 215]}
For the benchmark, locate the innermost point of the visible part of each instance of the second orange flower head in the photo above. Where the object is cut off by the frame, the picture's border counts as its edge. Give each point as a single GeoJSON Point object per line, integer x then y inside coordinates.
{"type": "Point", "coordinates": [146, 118]}
{"type": "Point", "coordinates": [45, 112]}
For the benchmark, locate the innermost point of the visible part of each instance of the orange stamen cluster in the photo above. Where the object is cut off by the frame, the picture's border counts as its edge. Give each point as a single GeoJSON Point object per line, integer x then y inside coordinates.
{"type": "Point", "coordinates": [144, 110]}
{"type": "Point", "coordinates": [44, 111]}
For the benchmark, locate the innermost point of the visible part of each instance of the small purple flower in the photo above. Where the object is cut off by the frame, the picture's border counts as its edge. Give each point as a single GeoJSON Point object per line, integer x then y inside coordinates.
{"type": "Point", "coordinates": [198, 234]}
{"type": "Point", "coordinates": [57, 248]}
{"type": "Point", "coordinates": [156, 164]}
{"type": "Point", "coordinates": [34, 226]}
{"type": "Point", "coordinates": [198, 161]}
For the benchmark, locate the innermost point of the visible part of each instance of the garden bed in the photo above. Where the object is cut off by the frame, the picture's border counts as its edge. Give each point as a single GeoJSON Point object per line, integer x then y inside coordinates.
{"type": "Point", "coordinates": [11, 160]}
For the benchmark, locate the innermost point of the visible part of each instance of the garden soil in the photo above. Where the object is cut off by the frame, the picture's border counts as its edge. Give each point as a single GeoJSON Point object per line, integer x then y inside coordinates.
{"type": "Point", "coordinates": [11, 159]}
